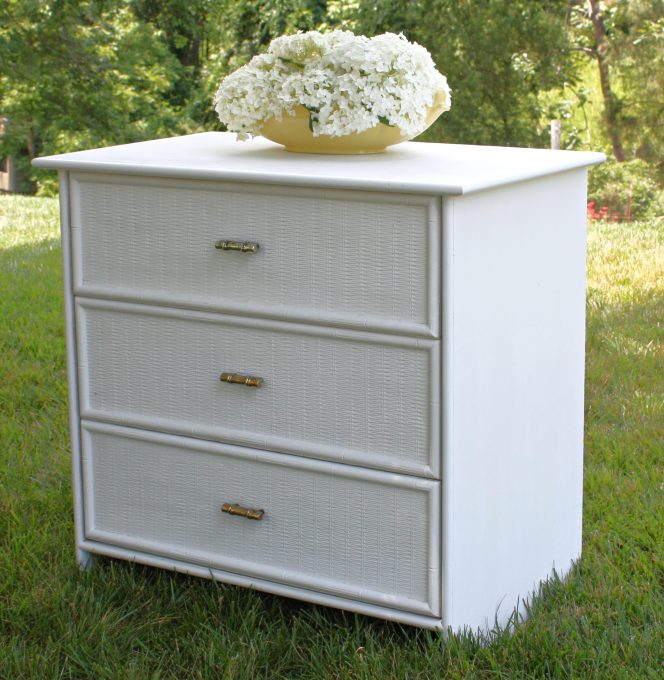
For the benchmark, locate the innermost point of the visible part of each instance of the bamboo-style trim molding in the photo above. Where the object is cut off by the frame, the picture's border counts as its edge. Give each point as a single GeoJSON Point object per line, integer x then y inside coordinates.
{"type": "Point", "coordinates": [83, 557]}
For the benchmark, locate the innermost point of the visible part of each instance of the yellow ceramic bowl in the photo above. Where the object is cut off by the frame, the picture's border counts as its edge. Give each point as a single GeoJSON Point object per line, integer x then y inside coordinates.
{"type": "Point", "coordinates": [293, 132]}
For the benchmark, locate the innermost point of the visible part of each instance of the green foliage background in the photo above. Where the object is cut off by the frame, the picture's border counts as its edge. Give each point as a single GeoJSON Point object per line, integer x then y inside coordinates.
{"type": "Point", "coordinates": [83, 73]}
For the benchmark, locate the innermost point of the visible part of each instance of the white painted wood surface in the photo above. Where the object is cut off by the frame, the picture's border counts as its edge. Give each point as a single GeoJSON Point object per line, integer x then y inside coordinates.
{"type": "Point", "coordinates": [413, 167]}
{"type": "Point", "coordinates": [502, 429]}
{"type": "Point", "coordinates": [513, 393]}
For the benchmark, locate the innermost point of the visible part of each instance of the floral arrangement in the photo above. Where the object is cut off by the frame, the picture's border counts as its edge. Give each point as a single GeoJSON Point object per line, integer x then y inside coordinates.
{"type": "Point", "coordinates": [348, 84]}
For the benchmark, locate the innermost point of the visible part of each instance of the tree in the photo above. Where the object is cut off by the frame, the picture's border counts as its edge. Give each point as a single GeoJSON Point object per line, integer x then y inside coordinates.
{"type": "Point", "coordinates": [638, 44]}
{"type": "Point", "coordinates": [184, 28]}
{"type": "Point", "coordinates": [612, 104]}
{"type": "Point", "coordinates": [498, 56]}
{"type": "Point", "coordinates": [79, 74]}
{"type": "Point", "coordinates": [587, 18]}
{"type": "Point", "coordinates": [626, 40]}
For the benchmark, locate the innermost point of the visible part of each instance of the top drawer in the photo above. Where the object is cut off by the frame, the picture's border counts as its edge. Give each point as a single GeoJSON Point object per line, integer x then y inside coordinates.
{"type": "Point", "coordinates": [347, 258]}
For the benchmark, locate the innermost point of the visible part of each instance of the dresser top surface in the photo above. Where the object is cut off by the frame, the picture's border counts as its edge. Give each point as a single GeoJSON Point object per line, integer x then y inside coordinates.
{"type": "Point", "coordinates": [413, 167]}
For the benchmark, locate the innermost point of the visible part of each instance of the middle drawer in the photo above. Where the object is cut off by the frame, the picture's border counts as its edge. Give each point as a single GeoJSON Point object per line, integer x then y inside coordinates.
{"type": "Point", "coordinates": [348, 396]}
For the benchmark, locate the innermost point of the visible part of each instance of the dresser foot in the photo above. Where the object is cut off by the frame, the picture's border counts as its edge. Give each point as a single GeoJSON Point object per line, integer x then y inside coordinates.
{"type": "Point", "coordinates": [86, 560]}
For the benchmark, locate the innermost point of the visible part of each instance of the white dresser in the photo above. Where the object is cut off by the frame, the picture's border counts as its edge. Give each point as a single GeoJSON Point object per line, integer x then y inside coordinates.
{"type": "Point", "coordinates": [356, 381]}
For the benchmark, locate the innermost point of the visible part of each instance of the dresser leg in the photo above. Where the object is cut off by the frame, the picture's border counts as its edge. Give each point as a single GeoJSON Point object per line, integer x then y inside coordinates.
{"type": "Point", "coordinates": [86, 560]}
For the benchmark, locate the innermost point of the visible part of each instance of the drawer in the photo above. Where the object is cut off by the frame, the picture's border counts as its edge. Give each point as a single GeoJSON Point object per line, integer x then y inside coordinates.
{"type": "Point", "coordinates": [346, 531]}
{"type": "Point", "coordinates": [348, 258]}
{"type": "Point", "coordinates": [361, 398]}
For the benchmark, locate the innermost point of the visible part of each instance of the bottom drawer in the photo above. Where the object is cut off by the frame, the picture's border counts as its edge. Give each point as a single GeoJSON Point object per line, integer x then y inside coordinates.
{"type": "Point", "coordinates": [361, 534]}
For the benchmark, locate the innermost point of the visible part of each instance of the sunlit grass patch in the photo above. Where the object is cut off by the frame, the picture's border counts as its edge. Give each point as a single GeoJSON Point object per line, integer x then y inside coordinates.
{"type": "Point", "coordinates": [25, 220]}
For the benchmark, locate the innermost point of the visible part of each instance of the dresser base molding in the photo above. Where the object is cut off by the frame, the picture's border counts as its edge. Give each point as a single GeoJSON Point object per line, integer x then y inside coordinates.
{"type": "Point", "coordinates": [93, 548]}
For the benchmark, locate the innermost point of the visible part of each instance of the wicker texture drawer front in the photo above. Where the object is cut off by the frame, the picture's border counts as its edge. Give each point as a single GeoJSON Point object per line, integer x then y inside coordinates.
{"type": "Point", "coordinates": [339, 395]}
{"type": "Point", "coordinates": [345, 258]}
{"type": "Point", "coordinates": [333, 528]}
{"type": "Point", "coordinates": [353, 258]}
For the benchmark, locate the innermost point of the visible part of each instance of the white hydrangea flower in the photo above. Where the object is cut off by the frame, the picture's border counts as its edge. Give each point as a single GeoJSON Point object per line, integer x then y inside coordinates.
{"type": "Point", "coordinates": [348, 83]}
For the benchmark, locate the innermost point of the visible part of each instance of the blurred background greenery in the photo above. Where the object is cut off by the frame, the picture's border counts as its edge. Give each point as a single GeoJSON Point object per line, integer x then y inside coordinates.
{"type": "Point", "coordinates": [76, 74]}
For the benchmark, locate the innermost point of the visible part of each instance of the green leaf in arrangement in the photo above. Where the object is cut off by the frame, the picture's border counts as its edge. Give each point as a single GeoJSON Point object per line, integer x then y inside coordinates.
{"type": "Point", "coordinates": [313, 110]}
{"type": "Point", "coordinates": [385, 121]}
{"type": "Point", "coordinates": [290, 62]}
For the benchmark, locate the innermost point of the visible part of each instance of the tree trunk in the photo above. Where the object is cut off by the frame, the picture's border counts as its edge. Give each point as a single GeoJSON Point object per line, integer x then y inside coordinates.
{"type": "Point", "coordinates": [611, 104]}
{"type": "Point", "coordinates": [32, 153]}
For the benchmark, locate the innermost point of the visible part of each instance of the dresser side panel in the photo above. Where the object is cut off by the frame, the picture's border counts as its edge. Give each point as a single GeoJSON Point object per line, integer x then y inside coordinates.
{"type": "Point", "coordinates": [514, 333]}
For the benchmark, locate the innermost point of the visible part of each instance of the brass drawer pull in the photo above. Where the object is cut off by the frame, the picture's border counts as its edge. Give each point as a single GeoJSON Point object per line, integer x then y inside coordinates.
{"type": "Point", "coordinates": [249, 513]}
{"type": "Point", "coordinates": [240, 246]}
{"type": "Point", "coordinates": [238, 379]}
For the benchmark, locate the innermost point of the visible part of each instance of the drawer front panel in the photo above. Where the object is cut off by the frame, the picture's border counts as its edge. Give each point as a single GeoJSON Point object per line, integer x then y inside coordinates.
{"type": "Point", "coordinates": [350, 258]}
{"type": "Point", "coordinates": [355, 533]}
{"type": "Point", "coordinates": [356, 397]}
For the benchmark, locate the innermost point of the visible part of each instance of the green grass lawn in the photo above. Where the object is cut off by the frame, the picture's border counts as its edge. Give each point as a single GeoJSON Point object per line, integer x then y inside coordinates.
{"type": "Point", "coordinates": [126, 621]}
